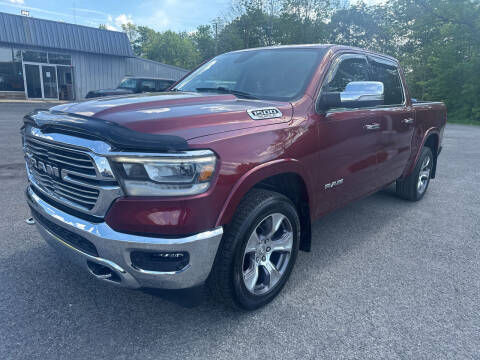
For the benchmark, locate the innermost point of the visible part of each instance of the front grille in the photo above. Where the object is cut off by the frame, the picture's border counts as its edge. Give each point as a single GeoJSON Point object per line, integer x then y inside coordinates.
{"type": "Point", "coordinates": [73, 172]}
{"type": "Point", "coordinates": [64, 173]}
{"type": "Point", "coordinates": [69, 237]}
{"type": "Point", "coordinates": [72, 159]}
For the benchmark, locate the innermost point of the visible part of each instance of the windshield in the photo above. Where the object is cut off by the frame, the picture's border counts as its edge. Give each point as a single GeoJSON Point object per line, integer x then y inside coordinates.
{"type": "Point", "coordinates": [128, 84]}
{"type": "Point", "coordinates": [272, 74]}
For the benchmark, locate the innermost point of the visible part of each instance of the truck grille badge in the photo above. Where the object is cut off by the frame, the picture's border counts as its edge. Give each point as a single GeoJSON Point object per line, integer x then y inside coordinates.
{"type": "Point", "coordinates": [43, 167]}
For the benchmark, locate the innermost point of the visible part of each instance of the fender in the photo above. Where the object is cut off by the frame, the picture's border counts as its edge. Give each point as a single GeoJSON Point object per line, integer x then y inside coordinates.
{"type": "Point", "coordinates": [256, 175]}
{"type": "Point", "coordinates": [414, 156]}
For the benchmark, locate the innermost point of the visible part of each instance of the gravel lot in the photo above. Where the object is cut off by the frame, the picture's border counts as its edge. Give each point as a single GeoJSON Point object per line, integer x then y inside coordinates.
{"type": "Point", "coordinates": [385, 279]}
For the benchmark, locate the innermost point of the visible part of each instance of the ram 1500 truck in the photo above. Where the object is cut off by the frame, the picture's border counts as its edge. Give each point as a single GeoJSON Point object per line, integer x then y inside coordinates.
{"type": "Point", "coordinates": [218, 181]}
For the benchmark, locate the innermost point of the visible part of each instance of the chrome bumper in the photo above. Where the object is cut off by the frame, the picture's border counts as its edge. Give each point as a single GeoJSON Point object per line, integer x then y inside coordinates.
{"type": "Point", "coordinates": [114, 250]}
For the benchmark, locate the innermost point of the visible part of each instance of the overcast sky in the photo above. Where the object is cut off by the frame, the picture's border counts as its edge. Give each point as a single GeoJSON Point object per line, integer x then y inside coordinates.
{"type": "Point", "coordinates": [160, 15]}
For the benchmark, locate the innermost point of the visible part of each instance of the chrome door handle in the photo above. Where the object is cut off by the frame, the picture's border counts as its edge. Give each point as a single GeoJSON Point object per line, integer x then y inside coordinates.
{"type": "Point", "coordinates": [374, 126]}
{"type": "Point", "coordinates": [408, 121]}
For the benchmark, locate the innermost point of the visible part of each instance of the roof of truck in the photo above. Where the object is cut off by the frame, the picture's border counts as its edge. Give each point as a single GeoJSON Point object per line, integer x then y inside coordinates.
{"type": "Point", "coordinates": [333, 47]}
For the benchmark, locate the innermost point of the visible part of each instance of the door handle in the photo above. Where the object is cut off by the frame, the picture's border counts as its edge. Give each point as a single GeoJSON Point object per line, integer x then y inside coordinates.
{"type": "Point", "coordinates": [408, 121]}
{"type": "Point", "coordinates": [374, 126]}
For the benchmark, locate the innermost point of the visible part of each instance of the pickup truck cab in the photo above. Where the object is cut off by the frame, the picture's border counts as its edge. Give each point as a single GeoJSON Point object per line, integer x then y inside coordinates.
{"type": "Point", "coordinates": [219, 180]}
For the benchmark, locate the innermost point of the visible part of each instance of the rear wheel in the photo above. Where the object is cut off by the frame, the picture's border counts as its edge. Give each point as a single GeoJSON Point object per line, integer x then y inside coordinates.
{"type": "Point", "coordinates": [415, 186]}
{"type": "Point", "coordinates": [258, 251]}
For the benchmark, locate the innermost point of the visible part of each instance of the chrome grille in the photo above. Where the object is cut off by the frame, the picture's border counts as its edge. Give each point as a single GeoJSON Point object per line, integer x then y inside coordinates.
{"type": "Point", "coordinates": [76, 193]}
{"type": "Point", "coordinates": [68, 174]}
{"type": "Point", "coordinates": [74, 160]}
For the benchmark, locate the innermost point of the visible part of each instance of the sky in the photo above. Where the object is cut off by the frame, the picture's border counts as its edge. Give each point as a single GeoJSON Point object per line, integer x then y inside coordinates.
{"type": "Point", "coordinates": [161, 15]}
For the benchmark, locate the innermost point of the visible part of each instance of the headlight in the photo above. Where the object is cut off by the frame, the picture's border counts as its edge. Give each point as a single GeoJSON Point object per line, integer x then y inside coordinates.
{"type": "Point", "coordinates": [185, 174]}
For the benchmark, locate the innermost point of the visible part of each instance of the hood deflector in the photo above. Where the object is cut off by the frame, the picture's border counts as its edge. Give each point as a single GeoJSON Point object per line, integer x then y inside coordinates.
{"type": "Point", "coordinates": [118, 136]}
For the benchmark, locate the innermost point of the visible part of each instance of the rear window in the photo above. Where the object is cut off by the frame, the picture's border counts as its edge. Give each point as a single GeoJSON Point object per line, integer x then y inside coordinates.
{"type": "Point", "coordinates": [388, 74]}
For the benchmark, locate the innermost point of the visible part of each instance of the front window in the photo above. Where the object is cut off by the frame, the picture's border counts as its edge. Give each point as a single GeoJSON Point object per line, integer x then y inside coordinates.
{"type": "Point", "coordinates": [272, 74]}
{"type": "Point", "coordinates": [11, 75]}
{"type": "Point", "coordinates": [128, 84]}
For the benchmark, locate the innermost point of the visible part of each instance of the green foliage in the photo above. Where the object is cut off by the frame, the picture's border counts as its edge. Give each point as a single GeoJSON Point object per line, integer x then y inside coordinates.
{"type": "Point", "coordinates": [436, 41]}
{"type": "Point", "coordinates": [204, 41]}
{"type": "Point", "coordinates": [172, 48]}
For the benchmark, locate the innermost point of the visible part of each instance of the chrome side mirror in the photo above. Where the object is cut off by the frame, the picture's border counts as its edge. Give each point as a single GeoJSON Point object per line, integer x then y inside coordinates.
{"type": "Point", "coordinates": [357, 94]}
{"type": "Point", "coordinates": [359, 91]}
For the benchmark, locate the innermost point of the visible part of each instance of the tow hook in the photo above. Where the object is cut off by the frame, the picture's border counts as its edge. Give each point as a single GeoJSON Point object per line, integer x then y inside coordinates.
{"type": "Point", "coordinates": [30, 221]}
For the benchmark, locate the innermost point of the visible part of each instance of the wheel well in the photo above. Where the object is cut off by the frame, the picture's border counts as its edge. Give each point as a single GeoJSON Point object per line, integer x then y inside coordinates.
{"type": "Point", "coordinates": [292, 186]}
{"type": "Point", "coordinates": [432, 143]}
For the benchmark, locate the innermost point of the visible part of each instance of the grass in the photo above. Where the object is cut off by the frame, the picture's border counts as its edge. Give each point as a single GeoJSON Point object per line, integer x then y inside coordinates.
{"type": "Point", "coordinates": [464, 122]}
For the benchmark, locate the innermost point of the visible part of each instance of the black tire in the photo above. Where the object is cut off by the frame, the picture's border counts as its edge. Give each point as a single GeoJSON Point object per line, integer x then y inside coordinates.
{"type": "Point", "coordinates": [226, 282]}
{"type": "Point", "coordinates": [408, 188]}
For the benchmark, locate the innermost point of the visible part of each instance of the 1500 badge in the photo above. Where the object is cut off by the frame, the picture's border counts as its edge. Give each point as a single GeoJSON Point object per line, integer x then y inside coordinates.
{"type": "Point", "coordinates": [264, 113]}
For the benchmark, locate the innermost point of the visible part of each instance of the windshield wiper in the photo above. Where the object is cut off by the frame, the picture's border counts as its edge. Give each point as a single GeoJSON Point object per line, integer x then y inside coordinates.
{"type": "Point", "coordinates": [224, 90]}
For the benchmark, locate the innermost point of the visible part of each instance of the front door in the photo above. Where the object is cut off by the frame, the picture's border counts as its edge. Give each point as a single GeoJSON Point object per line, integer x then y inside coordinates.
{"type": "Point", "coordinates": [33, 81]}
{"type": "Point", "coordinates": [65, 82]}
{"type": "Point", "coordinates": [49, 77]}
{"type": "Point", "coordinates": [348, 142]}
{"type": "Point", "coordinates": [40, 81]}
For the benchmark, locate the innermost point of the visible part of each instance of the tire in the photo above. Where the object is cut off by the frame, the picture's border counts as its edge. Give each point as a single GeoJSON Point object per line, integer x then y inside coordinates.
{"type": "Point", "coordinates": [410, 187]}
{"type": "Point", "coordinates": [232, 279]}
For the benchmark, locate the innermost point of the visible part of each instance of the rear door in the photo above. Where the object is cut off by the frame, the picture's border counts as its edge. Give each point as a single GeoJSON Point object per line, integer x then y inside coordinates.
{"type": "Point", "coordinates": [348, 139]}
{"type": "Point", "coordinates": [396, 117]}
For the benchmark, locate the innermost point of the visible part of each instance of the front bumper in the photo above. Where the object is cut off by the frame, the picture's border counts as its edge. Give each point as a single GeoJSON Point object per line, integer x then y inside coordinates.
{"type": "Point", "coordinates": [113, 263]}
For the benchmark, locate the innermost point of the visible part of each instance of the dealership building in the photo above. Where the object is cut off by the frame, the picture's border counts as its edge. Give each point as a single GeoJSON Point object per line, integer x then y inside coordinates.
{"type": "Point", "coordinates": [43, 59]}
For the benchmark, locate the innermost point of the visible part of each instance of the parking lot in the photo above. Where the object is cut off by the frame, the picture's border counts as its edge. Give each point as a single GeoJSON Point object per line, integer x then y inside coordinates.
{"type": "Point", "coordinates": [385, 278]}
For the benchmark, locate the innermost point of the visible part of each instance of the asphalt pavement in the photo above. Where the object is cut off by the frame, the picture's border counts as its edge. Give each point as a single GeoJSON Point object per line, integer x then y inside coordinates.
{"type": "Point", "coordinates": [386, 279]}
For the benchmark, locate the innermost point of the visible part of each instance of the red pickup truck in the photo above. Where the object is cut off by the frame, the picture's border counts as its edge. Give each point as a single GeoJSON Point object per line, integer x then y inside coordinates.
{"type": "Point", "coordinates": [218, 181]}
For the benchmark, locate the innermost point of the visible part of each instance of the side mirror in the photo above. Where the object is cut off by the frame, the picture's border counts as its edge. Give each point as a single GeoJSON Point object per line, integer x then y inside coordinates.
{"type": "Point", "coordinates": [357, 94]}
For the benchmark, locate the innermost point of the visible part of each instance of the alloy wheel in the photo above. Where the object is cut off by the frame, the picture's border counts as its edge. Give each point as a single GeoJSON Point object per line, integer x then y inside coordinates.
{"type": "Point", "coordinates": [424, 175]}
{"type": "Point", "coordinates": [267, 254]}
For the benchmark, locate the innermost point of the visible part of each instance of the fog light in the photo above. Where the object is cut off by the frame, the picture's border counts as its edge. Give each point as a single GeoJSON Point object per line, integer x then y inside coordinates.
{"type": "Point", "coordinates": [162, 261]}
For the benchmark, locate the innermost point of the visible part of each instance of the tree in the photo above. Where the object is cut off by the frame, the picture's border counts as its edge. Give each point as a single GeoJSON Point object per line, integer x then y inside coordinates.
{"type": "Point", "coordinates": [436, 41]}
{"type": "Point", "coordinates": [172, 48]}
{"type": "Point", "coordinates": [204, 41]}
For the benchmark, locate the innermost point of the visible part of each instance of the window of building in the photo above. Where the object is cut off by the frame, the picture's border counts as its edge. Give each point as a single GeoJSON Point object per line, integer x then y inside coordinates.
{"type": "Point", "coordinates": [11, 76]}
{"type": "Point", "coordinates": [61, 59]}
{"type": "Point", "coordinates": [35, 56]}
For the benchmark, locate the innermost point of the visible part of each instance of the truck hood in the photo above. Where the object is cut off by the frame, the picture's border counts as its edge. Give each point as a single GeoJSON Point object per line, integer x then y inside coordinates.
{"type": "Point", "coordinates": [188, 115]}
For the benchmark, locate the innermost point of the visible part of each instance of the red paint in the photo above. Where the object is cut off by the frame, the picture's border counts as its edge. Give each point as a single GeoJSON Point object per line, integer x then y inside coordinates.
{"type": "Point", "coordinates": [320, 148]}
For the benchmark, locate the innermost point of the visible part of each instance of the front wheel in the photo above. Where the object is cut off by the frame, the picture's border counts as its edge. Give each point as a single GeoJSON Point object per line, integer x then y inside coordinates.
{"type": "Point", "coordinates": [258, 251]}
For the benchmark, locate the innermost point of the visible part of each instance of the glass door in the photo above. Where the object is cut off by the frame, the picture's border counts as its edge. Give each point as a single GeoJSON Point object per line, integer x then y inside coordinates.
{"type": "Point", "coordinates": [65, 82]}
{"type": "Point", "coordinates": [33, 81]}
{"type": "Point", "coordinates": [49, 76]}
